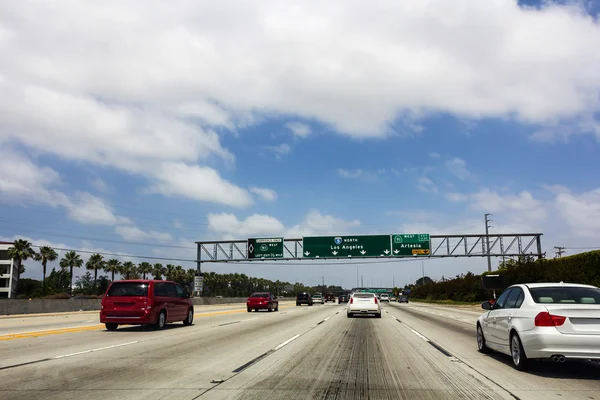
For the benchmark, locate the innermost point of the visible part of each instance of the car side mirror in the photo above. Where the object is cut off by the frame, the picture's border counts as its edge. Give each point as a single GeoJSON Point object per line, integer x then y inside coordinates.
{"type": "Point", "coordinates": [486, 305]}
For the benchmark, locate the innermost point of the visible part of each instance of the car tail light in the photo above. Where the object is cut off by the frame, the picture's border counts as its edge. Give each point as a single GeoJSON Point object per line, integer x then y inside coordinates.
{"type": "Point", "coordinates": [351, 300]}
{"type": "Point", "coordinates": [546, 319]}
{"type": "Point", "coordinates": [376, 301]}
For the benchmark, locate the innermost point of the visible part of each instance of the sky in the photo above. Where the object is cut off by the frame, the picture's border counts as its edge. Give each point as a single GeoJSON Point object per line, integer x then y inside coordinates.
{"type": "Point", "coordinates": [136, 130]}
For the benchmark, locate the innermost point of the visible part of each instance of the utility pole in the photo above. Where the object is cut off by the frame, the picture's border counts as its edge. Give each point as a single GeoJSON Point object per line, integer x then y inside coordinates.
{"type": "Point", "coordinates": [361, 281]}
{"type": "Point", "coordinates": [559, 251]}
{"type": "Point", "coordinates": [487, 237]}
{"type": "Point", "coordinates": [323, 284]}
{"type": "Point", "coordinates": [393, 280]}
{"type": "Point", "coordinates": [357, 276]}
{"type": "Point", "coordinates": [423, 271]}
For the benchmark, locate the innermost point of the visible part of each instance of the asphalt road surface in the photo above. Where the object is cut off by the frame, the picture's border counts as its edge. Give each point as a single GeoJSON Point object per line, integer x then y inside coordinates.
{"type": "Point", "coordinates": [413, 352]}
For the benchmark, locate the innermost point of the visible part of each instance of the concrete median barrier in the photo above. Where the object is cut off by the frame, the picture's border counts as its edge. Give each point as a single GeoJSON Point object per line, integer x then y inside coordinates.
{"type": "Point", "coordinates": [42, 306]}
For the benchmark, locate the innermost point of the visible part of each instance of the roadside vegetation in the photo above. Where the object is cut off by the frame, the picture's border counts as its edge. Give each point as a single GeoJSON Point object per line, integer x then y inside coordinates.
{"type": "Point", "coordinates": [581, 268]}
{"type": "Point", "coordinates": [100, 272]}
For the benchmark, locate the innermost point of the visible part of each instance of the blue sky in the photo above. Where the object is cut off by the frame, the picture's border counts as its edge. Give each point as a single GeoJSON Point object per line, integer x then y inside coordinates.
{"type": "Point", "coordinates": [212, 124]}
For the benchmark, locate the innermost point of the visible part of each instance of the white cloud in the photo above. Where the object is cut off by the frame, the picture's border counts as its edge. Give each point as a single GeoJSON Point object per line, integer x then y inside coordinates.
{"type": "Point", "coordinates": [90, 209]}
{"type": "Point", "coordinates": [456, 197]}
{"type": "Point", "coordinates": [522, 203]}
{"type": "Point", "coordinates": [581, 212]}
{"type": "Point", "coordinates": [199, 183]}
{"type": "Point", "coordinates": [231, 227]}
{"type": "Point", "coordinates": [23, 181]}
{"type": "Point", "coordinates": [171, 68]}
{"type": "Point", "coordinates": [299, 129]}
{"type": "Point", "coordinates": [426, 185]}
{"type": "Point", "coordinates": [279, 150]}
{"type": "Point", "coordinates": [458, 167]}
{"type": "Point", "coordinates": [135, 234]}
{"type": "Point", "coordinates": [315, 223]}
{"type": "Point", "coordinates": [265, 194]}
{"type": "Point", "coordinates": [177, 224]}
{"type": "Point", "coordinates": [100, 185]}
{"type": "Point", "coordinates": [361, 174]}
{"type": "Point", "coordinates": [433, 154]}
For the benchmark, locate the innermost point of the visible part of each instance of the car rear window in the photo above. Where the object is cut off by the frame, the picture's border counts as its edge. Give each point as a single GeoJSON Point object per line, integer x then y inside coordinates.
{"type": "Point", "coordinates": [122, 289]}
{"type": "Point", "coordinates": [261, 295]}
{"type": "Point", "coordinates": [364, 295]}
{"type": "Point", "coordinates": [565, 295]}
{"type": "Point", "coordinates": [303, 295]}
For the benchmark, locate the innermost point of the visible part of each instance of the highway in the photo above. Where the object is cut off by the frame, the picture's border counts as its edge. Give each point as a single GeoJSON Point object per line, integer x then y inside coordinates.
{"type": "Point", "coordinates": [414, 351]}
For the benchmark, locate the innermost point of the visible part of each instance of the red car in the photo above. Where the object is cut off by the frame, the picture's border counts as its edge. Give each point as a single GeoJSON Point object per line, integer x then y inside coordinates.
{"type": "Point", "coordinates": [262, 301]}
{"type": "Point", "coordinates": [141, 302]}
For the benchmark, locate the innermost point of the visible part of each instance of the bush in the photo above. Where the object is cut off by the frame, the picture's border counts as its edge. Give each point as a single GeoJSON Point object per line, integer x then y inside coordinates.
{"type": "Point", "coordinates": [581, 268]}
{"type": "Point", "coordinates": [57, 296]}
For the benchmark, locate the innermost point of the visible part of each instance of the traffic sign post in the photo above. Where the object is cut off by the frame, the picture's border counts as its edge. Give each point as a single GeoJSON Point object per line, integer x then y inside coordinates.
{"type": "Point", "coordinates": [265, 248]}
{"type": "Point", "coordinates": [418, 244]}
{"type": "Point", "coordinates": [346, 246]}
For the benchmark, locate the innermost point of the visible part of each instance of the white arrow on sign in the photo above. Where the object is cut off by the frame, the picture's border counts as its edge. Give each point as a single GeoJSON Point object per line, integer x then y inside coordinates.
{"type": "Point", "coordinates": [396, 251]}
{"type": "Point", "coordinates": [251, 249]}
{"type": "Point", "coordinates": [306, 253]}
{"type": "Point", "coordinates": [386, 251]}
{"type": "Point", "coordinates": [362, 252]}
{"type": "Point", "coordinates": [334, 253]}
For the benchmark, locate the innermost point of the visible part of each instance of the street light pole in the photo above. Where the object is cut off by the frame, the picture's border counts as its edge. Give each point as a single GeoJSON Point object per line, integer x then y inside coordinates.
{"type": "Point", "coordinates": [487, 237]}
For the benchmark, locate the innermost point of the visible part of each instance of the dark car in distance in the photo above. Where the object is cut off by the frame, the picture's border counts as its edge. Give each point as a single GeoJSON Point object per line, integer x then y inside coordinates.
{"type": "Point", "coordinates": [343, 298]}
{"type": "Point", "coordinates": [304, 298]}
{"type": "Point", "coordinates": [329, 297]}
{"type": "Point", "coordinates": [262, 301]}
{"type": "Point", "coordinates": [402, 299]}
{"type": "Point", "coordinates": [141, 302]}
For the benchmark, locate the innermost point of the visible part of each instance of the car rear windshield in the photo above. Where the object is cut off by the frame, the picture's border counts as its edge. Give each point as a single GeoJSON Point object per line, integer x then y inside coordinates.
{"type": "Point", "coordinates": [261, 295]}
{"type": "Point", "coordinates": [565, 295]}
{"type": "Point", "coordinates": [303, 295]}
{"type": "Point", "coordinates": [364, 295]}
{"type": "Point", "coordinates": [122, 289]}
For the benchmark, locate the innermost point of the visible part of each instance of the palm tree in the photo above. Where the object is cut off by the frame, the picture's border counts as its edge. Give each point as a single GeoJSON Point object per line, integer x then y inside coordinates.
{"type": "Point", "coordinates": [95, 263]}
{"type": "Point", "coordinates": [19, 252]}
{"type": "Point", "coordinates": [158, 271]}
{"type": "Point", "coordinates": [46, 254]}
{"type": "Point", "coordinates": [170, 273]}
{"type": "Point", "coordinates": [113, 265]}
{"type": "Point", "coordinates": [71, 260]}
{"type": "Point", "coordinates": [145, 268]}
{"type": "Point", "coordinates": [127, 270]}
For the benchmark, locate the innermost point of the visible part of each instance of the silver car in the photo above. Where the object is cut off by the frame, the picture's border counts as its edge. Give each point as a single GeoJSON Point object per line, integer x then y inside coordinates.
{"type": "Point", "coordinates": [364, 303]}
{"type": "Point", "coordinates": [555, 321]}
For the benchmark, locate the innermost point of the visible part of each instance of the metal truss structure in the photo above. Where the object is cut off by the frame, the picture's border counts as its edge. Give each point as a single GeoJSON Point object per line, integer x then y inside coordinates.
{"type": "Point", "coordinates": [442, 246]}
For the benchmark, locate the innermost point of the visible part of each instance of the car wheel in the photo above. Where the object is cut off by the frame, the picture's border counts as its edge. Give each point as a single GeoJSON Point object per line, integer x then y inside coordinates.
{"type": "Point", "coordinates": [161, 321]}
{"type": "Point", "coordinates": [517, 353]}
{"type": "Point", "coordinates": [249, 309]}
{"type": "Point", "coordinates": [378, 315]}
{"type": "Point", "coordinates": [297, 304]}
{"type": "Point", "coordinates": [350, 315]}
{"type": "Point", "coordinates": [270, 308]}
{"type": "Point", "coordinates": [277, 307]}
{"type": "Point", "coordinates": [481, 346]}
{"type": "Point", "coordinates": [190, 317]}
{"type": "Point", "coordinates": [111, 327]}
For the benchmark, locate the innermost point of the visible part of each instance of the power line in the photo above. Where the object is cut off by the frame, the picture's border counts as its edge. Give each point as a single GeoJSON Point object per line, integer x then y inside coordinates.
{"type": "Point", "coordinates": [118, 254]}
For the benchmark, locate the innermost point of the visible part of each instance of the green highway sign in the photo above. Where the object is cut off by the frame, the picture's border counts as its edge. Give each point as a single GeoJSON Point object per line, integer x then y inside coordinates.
{"type": "Point", "coordinates": [265, 248]}
{"type": "Point", "coordinates": [346, 246]}
{"type": "Point", "coordinates": [418, 244]}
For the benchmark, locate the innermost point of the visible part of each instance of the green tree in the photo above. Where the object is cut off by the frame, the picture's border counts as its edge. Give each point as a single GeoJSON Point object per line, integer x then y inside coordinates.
{"type": "Point", "coordinates": [128, 270]}
{"type": "Point", "coordinates": [71, 260]}
{"type": "Point", "coordinates": [170, 272]}
{"type": "Point", "coordinates": [85, 283]}
{"type": "Point", "coordinates": [46, 254]}
{"type": "Point", "coordinates": [58, 281]}
{"type": "Point", "coordinates": [95, 263]}
{"type": "Point", "coordinates": [423, 281]}
{"type": "Point", "coordinates": [112, 266]}
{"type": "Point", "coordinates": [145, 268]}
{"type": "Point", "coordinates": [158, 271]}
{"type": "Point", "coordinates": [20, 251]}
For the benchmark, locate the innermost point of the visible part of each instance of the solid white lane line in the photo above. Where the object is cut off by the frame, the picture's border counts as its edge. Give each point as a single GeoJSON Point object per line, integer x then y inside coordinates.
{"type": "Point", "coordinates": [93, 350]}
{"type": "Point", "coordinates": [287, 342]}
{"type": "Point", "coordinates": [419, 335]}
{"type": "Point", "coordinates": [249, 319]}
{"type": "Point", "coordinates": [326, 318]}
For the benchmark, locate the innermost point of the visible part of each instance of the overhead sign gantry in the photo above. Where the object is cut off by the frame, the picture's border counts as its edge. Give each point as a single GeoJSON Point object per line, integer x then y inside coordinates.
{"type": "Point", "coordinates": [418, 245]}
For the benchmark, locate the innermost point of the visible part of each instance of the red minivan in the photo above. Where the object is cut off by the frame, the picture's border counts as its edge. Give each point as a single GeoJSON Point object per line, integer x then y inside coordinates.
{"type": "Point", "coordinates": [141, 302]}
{"type": "Point", "coordinates": [262, 301]}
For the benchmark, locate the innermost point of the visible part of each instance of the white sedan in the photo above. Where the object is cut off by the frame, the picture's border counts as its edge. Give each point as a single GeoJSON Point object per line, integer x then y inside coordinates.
{"type": "Point", "coordinates": [363, 303]}
{"type": "Point", "coordinates": [555, 321]}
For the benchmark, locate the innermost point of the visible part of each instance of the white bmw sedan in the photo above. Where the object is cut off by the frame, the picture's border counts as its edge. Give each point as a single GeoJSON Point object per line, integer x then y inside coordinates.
{"type": "Point", "coordinates": [555, 321]}
{"type": "Point", "coordinates": [364, 303]}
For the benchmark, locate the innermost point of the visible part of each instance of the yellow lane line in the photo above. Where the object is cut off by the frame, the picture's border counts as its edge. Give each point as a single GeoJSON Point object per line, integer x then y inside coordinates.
{"type": "Point", "coordinates": [27, 335]}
